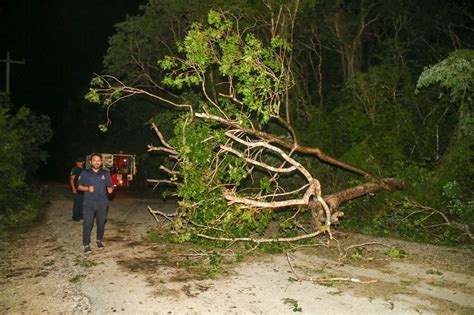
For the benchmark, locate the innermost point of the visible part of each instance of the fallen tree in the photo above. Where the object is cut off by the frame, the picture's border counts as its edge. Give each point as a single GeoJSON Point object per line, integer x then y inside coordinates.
{"type": "Point", "coordinates": [232, 174]}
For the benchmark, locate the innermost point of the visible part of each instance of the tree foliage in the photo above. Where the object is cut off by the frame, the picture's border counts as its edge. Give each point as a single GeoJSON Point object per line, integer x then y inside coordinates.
{"type": "Point", "coordinates": [21, 138]}
{"type": "Point", "coordinates": [455, 75]}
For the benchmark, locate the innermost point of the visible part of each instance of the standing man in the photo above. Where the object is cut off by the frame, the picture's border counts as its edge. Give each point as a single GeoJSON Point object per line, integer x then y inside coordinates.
{"type": "Point", "coordinates": [76, 194]}
{"type": "Point", "coordinates": [95, 183]}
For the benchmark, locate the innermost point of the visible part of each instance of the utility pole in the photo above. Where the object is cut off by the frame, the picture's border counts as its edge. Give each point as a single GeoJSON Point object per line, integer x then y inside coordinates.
{"type": "Point", "coordinates": [8, 61]}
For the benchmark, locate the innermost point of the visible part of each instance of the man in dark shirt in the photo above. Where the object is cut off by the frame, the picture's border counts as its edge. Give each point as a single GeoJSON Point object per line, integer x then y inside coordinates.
{"type": "Point", "coordinates": [96, 184]}
{"type": "Point", "coordinates": [76, 194]}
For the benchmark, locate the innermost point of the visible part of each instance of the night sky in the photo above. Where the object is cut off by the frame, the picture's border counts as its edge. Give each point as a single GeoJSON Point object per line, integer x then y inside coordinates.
{"type": "Point", "coordinates": [63, 43]}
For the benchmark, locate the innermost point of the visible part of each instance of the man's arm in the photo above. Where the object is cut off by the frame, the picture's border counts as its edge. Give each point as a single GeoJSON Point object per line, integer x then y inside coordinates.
{"type": "Point", "coordinates": [86, 188]}
{"type": "Point", "coordinates": [81, 184]}
{"type": "Point", "coordinates": [71, 182]}
{"type": "Point", "coordinates": [108, 183]}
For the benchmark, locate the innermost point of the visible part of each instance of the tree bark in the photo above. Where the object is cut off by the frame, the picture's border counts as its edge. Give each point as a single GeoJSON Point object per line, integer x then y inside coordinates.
{"type": "Point", "coordinates": [334, 200]}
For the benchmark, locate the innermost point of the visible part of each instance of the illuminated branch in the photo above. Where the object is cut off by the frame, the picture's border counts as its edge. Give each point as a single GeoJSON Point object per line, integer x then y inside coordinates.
{"type": "Point", "coordinates": [293, 192]}
{"type": "Point", "coordinates": [255, 162]}
{"type": "Point", "coordinates": [161, 149]}
{"type": "Point", "coordinates": [160, 136]}
{"type": "Point", "coordinates": [167, 170]}
{"type": "Point", "coordinates": [161, 181]}
{"type": "Point", "coordinates": [286, 157]}
{"type": "Point", "coordinates": [312, 190]}
{"type": "Point", "coordinates": [114, 86]}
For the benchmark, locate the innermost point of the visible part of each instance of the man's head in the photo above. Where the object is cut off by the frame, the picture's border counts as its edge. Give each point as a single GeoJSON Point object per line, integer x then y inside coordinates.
{"type": "Point", "coordinates": [96, 161]}
{"type": "Point", "coordinates": [80, 162]}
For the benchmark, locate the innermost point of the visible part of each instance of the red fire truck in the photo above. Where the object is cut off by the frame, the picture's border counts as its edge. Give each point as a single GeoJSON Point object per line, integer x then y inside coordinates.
{"type": "Point", "coordinates": [121, 166]}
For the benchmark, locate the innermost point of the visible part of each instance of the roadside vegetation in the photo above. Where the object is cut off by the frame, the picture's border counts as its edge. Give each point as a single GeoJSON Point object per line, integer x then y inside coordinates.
{"type": "Point", "coordinates": [22, 135]}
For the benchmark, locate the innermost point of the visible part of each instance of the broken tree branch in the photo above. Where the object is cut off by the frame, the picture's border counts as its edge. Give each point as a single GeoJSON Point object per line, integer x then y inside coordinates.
{"type": "Point", "coordinates": [168, 216]}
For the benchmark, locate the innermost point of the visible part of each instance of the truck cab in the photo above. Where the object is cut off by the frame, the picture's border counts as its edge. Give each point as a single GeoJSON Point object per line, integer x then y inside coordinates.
{"type": "Point", "coordinates": [122, 167]}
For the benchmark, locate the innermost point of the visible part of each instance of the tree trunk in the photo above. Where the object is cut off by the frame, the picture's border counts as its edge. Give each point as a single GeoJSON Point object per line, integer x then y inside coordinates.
{"type": "Point", "coordinates": [334, 200]}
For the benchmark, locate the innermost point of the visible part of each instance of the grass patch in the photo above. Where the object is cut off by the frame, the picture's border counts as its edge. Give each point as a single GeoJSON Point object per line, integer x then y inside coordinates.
{"type": "Point", "coordinates": [396, 253]}
{"type": "Point", "coordinates": [293, 304]}
{"type": "Point", "coordinates": [77, 278]}
{"type": "Point", "coordinates": [86, 263]}
{"type": "Point", "coordinates": [406, 283]}
{"type": "Point", "coordinates": [434, 272]}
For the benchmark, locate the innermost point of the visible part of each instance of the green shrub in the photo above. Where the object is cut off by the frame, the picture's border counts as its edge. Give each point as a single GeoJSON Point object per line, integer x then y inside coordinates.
{"type": "Point", "coordinates": [21, 138]}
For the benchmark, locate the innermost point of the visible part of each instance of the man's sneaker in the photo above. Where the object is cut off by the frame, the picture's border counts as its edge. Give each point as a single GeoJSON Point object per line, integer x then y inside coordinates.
{"type": "Point", "coordinates": [100, 245]}
{"type": "Point", "coordinates": [87, 249]}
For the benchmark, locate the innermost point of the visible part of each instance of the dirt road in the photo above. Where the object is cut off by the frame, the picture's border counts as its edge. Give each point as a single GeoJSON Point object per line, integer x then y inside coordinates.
{"type": "Point", "coordinates": [44, 270]}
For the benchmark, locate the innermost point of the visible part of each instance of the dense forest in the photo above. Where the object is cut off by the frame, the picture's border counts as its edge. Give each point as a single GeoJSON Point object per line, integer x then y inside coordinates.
{"type": "Point", "coordinates": [378, 89]}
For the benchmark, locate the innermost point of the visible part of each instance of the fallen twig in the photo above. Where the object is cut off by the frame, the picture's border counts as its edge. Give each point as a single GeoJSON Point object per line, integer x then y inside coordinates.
{"type": "Point", "coordinates": [324, 280]}
{"type": "Point", "coordinates": [291, 267]}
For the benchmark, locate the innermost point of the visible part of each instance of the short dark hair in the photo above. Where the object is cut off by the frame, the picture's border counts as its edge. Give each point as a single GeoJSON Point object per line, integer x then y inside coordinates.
{"type": "Point", "coordinates": [96, 154]}
{"type": "Point", "coordinates": [80, 159]}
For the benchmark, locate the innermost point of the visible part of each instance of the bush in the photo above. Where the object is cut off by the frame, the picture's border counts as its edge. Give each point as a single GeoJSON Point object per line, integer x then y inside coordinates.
{"type": "Point", "coordinates": [22, 135]}
{"type": "Point", "coordinates": [28, 207]}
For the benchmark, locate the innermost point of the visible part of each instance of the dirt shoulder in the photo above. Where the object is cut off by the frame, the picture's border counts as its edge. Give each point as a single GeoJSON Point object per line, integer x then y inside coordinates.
{"type": "Point", "coordinates": [45, 270]}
